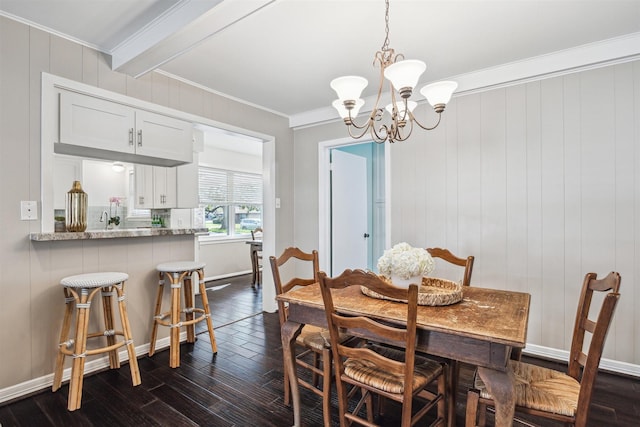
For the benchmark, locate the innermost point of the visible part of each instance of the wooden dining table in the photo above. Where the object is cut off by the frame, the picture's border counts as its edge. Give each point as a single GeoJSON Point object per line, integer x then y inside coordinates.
{"type": "Point", "coordinates": [482, 329]}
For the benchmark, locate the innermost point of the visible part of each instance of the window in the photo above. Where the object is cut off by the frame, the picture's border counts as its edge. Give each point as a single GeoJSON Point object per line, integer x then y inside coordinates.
{"type": "Point", "coordinates": [232, 201]}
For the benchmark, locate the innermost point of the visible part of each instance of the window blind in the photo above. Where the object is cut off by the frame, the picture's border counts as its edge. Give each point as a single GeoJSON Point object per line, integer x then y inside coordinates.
{"type": "Point", "coordinates": [218, 186]}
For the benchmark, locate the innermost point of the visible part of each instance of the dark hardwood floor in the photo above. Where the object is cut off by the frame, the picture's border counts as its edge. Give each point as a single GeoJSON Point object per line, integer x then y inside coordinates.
{"type": "Point", "coordinates": [242, 384]}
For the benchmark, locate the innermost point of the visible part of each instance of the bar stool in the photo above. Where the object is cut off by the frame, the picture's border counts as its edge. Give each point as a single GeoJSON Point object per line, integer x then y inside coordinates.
{"type": "Point", "coordinates": [180, 273]}
{"type": "Point", "coordinates": [79, 290]}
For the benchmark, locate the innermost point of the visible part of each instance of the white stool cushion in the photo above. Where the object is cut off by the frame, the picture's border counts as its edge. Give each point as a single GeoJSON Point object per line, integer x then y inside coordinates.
{"type": "Point", "coordinates": [180, 266]}
{"type": "Point", "coordinates": [94, 280]}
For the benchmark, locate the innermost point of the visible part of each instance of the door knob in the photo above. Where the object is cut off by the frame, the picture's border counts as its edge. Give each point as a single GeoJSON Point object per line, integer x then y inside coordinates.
{"type": "Point", "coordinates": [366, 235]}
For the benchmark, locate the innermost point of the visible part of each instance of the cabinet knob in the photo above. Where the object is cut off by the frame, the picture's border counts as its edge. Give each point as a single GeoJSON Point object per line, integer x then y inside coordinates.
{"type": "Point", "coordinates": [140, 138]}
{"type": "Point", "coordinates": [130, 136]}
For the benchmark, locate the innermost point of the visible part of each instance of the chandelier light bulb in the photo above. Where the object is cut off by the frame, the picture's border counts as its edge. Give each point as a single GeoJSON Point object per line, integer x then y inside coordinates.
{"type": "Point", "coordinates": [342, 110]}
{"type": "Point", "coordinates": [349, 88]}
{"type": "Point", "coordinates": [439, 93]}
{"type": "Point", "coordinates": [404, 75]}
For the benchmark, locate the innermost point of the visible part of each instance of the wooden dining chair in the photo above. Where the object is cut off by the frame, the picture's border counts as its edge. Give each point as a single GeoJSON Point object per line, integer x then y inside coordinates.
{"type": "Point", "coordinates": [313, 342]}
{"type": "Point", "coordinates": [388, 368]}
{"type": "Point", "coordinates": [454, 365]}
{"type": "Point", "coordinates": [447, 256]}
{"type": "Point", "coordinates": [553, 394]}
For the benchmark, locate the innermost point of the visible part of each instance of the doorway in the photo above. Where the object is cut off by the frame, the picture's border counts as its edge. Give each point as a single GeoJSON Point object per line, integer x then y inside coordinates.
{"type": "Point", "coordinates": [352, 204]}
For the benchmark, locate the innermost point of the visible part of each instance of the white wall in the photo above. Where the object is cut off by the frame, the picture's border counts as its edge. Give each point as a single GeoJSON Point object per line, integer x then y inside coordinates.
{"type": "Point", "coordinates": [30, 297]}
{"type": "Point", "coordinates": [539, 181]}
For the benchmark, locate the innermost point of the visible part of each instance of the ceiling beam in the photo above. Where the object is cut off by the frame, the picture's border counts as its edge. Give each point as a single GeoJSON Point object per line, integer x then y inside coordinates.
{"type": "Point", "coordinates": [186, 25]}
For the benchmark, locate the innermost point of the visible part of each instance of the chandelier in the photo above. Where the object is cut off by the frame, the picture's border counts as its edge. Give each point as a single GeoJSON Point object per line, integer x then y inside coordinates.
{"type": "Point", "coordinates": [403, 75]}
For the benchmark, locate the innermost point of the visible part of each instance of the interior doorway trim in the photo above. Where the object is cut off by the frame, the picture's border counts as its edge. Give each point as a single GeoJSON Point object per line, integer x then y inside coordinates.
{"type": "Point", "coordinates": [324, 196]}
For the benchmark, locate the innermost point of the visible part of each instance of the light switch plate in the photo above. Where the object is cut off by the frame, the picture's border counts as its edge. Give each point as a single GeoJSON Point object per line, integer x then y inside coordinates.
{"type": "Point", "coordinates": [28, 210]}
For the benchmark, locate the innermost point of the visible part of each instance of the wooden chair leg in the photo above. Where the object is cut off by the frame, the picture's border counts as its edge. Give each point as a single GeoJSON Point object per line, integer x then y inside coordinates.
{"type": "Point", "coordinates": [174, 334]}
{"type": "Point", "coordinates": [107, 311]}
{"type": "Point", "coordinates": [471, 415]}
{"type": "Point", "coordinates": [128, 338]}
{"type": "Point", "coordinates": [188, 305]}
{"type": "Point", "coordinates": [70, 300]}
{"type": "Point", "coordinates": [207, 311]}
{"type": "Point", "coordinates": [452, 374]}
{"type": "Point", "coordinates": [326, 386]}
{"type": "Point", "coordinates": [444, 405]}
{"type": "Point", "coordinates": [157, 314]}
{"type": "Point", "coordinates": [80, 348]}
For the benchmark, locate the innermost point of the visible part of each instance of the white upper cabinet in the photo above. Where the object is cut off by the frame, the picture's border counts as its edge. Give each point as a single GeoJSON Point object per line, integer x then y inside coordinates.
{"type": "Point", "coordinates": [163, 137]}
{"type": "Point", "coordinates": [95, 127]}
{"type": "Point", "coordinates": [155, 187]}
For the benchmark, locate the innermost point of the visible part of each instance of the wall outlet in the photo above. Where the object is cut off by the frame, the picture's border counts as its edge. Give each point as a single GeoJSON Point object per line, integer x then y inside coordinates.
{"type": "Point", "coordinates": [28, 210]}
{"type": "Point", "coordinates": [277, 202]}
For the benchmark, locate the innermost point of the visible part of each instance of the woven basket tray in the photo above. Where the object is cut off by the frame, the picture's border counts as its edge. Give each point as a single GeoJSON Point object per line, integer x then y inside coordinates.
{"type": "Point", "coordinates": [433, 291]}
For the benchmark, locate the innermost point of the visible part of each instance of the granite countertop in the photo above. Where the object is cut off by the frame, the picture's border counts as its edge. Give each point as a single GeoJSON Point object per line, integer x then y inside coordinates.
{"type": "Point", "coordinates": [115, 234]}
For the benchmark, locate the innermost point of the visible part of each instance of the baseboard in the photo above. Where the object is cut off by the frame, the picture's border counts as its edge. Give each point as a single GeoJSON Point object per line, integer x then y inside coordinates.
{"type": "Point", "coordinates": [228, 275]}
{"type": "Point", "coordinates": [609, 365]}
{"type": "Point", "coordinates": [38, 384]}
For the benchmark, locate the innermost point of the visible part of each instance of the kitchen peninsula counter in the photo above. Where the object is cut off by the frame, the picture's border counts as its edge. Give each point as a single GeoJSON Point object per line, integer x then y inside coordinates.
{"type": "Point", "coordinates": [115, 234]}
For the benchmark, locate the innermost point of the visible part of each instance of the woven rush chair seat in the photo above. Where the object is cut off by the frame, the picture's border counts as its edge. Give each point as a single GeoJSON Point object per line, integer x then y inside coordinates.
{"type": "Point", "coordinates": [380, 371]}
{"type": "Point", "coordinates": [424, 372]}
{"type": "Point", "coordinates": [552, 394]}
{"type": "Point", "coordinates": [540, 388]}
{"type": "Point", "coordinates": [313, 342]}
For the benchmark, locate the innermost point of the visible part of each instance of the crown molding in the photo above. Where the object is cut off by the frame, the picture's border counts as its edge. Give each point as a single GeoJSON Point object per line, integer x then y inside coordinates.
{"type": "Point", "coordinates": [594, 55]}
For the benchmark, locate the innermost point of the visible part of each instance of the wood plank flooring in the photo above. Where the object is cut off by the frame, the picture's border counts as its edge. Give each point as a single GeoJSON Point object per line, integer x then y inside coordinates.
{"type": "Point", "coordinates": [242, 384]}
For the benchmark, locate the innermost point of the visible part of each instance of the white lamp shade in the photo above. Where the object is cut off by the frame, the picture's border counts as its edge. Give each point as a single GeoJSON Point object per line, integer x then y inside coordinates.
{"type": "Point", "coordinates": [439, 92]}
{"type": "Point", "coordinates": [400, 107]}
{"type": "Point", "coordinates": [344, 113]}
{"type": "Point", "coordinates": [117, 167]}
{"type": "Point", "coordinates": [349, 87]}
{"type": "Point", "coordinates": [405, 73]}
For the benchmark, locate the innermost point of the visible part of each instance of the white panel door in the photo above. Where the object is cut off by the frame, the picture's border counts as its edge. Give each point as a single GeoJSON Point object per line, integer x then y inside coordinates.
{"type": "Point", "coordinates": [349, 228]}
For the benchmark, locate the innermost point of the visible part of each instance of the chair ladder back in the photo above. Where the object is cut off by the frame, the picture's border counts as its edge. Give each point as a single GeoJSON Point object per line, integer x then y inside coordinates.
{"type": "Point", "coordinates": [584, 367]}
{"type": "Point", "coordinates": [276, 263]}
{"type": "Point", "coordinates": [381, 332]}
{"type": "Point", "coordinates": [446, 255]}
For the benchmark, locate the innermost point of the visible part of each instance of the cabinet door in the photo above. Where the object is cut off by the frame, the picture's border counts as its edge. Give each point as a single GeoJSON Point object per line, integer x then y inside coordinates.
{"type": "Point", "coordinates": [93, 122]}
{"type": "Point", "coordinates": [143, 176]}
{"type": "Point", "coordinates": [163, 137]}
{"type": "Point", "coordinates": [164, 187]}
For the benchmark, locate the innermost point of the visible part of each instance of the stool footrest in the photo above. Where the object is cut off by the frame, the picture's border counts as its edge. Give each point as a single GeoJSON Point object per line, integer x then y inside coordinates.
{"type": "Point", "coordinates": [160, 318]}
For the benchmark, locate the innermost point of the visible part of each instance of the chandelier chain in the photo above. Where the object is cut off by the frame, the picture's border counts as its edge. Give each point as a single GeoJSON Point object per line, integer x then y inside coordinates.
{"type": "Point", "coordinates": [385, 45]}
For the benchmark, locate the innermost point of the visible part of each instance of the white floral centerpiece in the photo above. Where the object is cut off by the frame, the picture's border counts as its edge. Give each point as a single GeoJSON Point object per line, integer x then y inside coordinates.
{"type": "Point", "coordinates": [403, 264]}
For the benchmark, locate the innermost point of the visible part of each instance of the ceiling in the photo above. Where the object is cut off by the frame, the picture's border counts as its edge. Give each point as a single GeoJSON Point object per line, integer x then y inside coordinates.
{"type": "Point", "coordinates": [281, 55]}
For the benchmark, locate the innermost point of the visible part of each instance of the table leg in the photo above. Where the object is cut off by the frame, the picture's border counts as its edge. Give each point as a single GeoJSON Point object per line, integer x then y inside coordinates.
{"type": "Point", "coordinates": [254, 264]}
{"type": "Point", "coordinates": [501, 385]}
{"type": "Point", "coordinates": [289, 331]}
